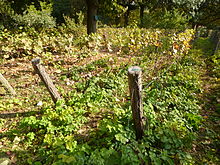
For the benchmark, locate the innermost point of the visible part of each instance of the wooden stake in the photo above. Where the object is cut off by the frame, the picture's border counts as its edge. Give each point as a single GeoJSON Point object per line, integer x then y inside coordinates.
{"type": "Point", "coordinates": [40, 70]}
{"type": "Point", "coordinates": [135, 87]}
{"type": "Point", "coordinates": [7, 85]}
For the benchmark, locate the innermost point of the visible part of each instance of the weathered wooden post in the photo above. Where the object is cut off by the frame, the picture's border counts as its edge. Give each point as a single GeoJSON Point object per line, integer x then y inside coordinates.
{"type": "Point", "coordinates": [135, 87]}
{"type": "Point", "coordinates": [7, 85]}
{"type": "Point", "coordinates": [40, 70]}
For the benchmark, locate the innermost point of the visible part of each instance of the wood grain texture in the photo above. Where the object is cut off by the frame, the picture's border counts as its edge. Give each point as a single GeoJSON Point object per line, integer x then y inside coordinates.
{"type": "Point", "coordinates": [135, 87]}
{"type": "Point", "coordinates": [7, 85]}
{"type": "Point", "coordinates": [40, 70]}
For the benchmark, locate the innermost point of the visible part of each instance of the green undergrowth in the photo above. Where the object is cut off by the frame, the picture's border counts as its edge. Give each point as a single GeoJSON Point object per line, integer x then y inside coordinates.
{"type": "Point", "coordinates": [74, 42]}
{"type": "Point", "coordinates": [64, 134]}
{"type": "Point", "coordinates": [207, 48]}
{"type": "Point", "coordinates": [208, 139]}
{"type": "Point", "coordinates": [92, 123]}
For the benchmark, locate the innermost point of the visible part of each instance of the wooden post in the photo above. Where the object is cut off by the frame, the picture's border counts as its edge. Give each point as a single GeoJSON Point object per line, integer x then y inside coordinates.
{"type": "Point", "coordinates": [7, 85]}
{"type": "Point", "coordinates": [40, 70]}
{"type": "Point", "coordinates": [135, 87]}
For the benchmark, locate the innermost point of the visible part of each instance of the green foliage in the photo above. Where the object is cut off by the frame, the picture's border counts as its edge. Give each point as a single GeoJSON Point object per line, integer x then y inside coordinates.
{"type": "Point", "coordinates": [70, 26]}
{"type": "Point", "coordinates": [141, 41]}
{"type": "Point", "coordinates": [61, 8]}
{"type": "Point", "coordinates": [9, 105]}
{"type": "Point", "coordinates": [216, 63]}
{"type": "Point", "coordinates": [36, 18]}
{"type": "Point", "coordinates": [43, 44]}
{"type": "Point", "coordinates": [194, 4]}
{"type": "Point", "coordinates": [207, 14]}
{"type": "Point", "coordinates": [93, 123]}
{"type": "Point", "coordinates": [164, 19]}
{"type": "Point", "coordinates": [59, 134]}
{"type": "Point", "coordinates": [6, 14]}
{"type": "Point", "coordinates": [170, 125]}
{"type": "Point", "coordinates": [71, 36]}
{"type": "Point", "coordinates": [205, 45]}
{"type": "Point", "coordinates": [111, 12]}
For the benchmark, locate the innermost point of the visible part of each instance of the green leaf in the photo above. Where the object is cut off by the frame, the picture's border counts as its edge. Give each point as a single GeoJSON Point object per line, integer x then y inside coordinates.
{"type": "Point", "coordinates": [120, 137]}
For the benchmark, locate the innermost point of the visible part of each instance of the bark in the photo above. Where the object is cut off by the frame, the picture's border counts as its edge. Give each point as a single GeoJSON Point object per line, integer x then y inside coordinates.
{"type": "Point", "coordinates": [92, 6]}
{"type": "Point", "coordinates": [142, 15]}
{"type": "Point", "coordinates": [126, 17]}
{"type": "Point", "coordinates": [135, 88]}
{"type": "Point", "coordinates": [7, 85]}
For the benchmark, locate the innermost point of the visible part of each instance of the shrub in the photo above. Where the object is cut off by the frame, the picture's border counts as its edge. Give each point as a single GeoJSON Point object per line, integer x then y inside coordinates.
{"type": "Point", "coordinates": [36, 18]}
{"type": "Point", "coordinates": [6, 13]}
{"type": "Point", "coordinates": [166, 19]}
{"type": "Point", "coordinates": [61, 8]}
{"type": "Point", "coordinates": [70, 25]}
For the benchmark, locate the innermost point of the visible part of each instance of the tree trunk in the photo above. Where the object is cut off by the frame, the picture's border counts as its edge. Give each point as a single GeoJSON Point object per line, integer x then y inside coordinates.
{"type": "Point", "coordinates": [142, 15]}
{"type": "Point", "coordinates": [126, 17]}
{"type": "Point", "coordinates": [92, 6]}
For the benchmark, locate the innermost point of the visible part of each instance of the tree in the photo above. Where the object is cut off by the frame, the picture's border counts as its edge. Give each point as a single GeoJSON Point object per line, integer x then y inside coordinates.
{"type": "Point", "coordinates": [111, 11]}
{"type": "Point", "coordinates": [130, 5]}
{"type": "Point", "coordinates": [192, 8]}
{"type": "Point", "coordinates": [61, 8]}
{"type": "Point", "coordinates": [208, 14]}
{"type": "Point", "coordinates": [142, 8]}
{"type": "Point", "coordinates": [6, 12]}
{"type": "Point", "coordinates": [92, 7]}
{"type": "Point", "coordinates": [77, 6]}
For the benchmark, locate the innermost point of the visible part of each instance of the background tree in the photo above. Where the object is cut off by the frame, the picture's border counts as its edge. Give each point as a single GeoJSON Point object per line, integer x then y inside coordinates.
{"type": "Point", "coordinates": [61, 8]}
{"type": "Point", "coordinates": [111, 12]}
{"type": "Point", "coordinates": [76, 7]}
{"type": "Point", "coordinates": [92, 7]}
{"type": "Point", "coordinates": [21, 6]}
{"type": "Point", "coordinates": [6, 13]}
{"type": "Point", "coordinates": [145, 13]}
{"type": "Point", "coordinates": [208, 14]}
